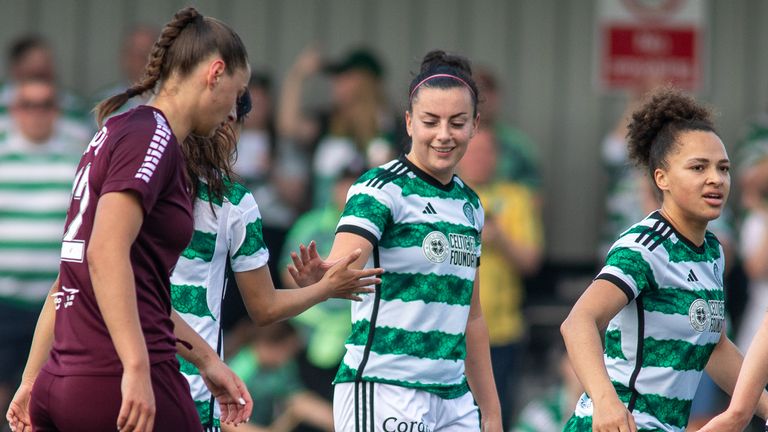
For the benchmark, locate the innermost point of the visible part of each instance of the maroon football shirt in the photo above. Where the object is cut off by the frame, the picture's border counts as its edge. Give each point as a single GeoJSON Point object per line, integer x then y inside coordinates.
{"type": "Point", "coordinates": [135, 151]}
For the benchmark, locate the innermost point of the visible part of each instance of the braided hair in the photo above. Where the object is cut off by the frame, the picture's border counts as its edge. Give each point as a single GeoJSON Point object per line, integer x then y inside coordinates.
{"type": "Point", "coordinates": [184, 42]}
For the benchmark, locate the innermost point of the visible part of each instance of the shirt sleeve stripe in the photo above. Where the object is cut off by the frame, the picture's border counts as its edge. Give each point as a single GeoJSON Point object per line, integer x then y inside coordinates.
{"type": "Point", "coordinates": [619, 283]}
{"type": "Point", "coordinates": [154, 153]}
{"type": "Point", "coordinates": [362, 232]}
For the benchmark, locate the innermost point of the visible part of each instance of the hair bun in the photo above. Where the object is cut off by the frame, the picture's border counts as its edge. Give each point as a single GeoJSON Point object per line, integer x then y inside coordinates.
{"type": "Point", "coordinates": [437, 59]}
{"type": "Point", "coordinates": [442, 70]}
{"type": "Point", "coordinates": [666, 112]}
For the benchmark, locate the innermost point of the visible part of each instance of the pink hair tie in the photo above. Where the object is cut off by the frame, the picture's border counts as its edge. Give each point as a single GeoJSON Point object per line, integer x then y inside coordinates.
{"type": "Point", "coordinates": [410, 97]}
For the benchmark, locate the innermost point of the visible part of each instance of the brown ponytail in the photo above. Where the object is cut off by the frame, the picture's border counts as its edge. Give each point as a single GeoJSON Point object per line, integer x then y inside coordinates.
{"type": "Point", "coordinates": [153, 67]}
{"type": "Point", "coordinates": [184, 42]}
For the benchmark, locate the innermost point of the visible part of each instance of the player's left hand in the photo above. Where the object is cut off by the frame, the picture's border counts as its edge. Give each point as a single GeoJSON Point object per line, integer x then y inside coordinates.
{"type": "Point", "coordinates": [229, 390]}
{"type": "Point", "coordinates": [18, 411]}
{"type": "Point", "coordinates": [308, 268]}
{"type": "Point", "coordinates": [349, 283]}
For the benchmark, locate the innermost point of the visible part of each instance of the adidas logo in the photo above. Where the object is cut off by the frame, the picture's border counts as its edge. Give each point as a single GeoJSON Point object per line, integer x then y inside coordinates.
{"type": "Point", "coordinates": [429, 209]}
{"type": "Point", "coordinates": [692, 276]}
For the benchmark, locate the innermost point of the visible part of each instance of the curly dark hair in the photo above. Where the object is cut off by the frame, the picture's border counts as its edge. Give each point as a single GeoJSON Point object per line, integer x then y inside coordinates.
{"type": "Point", "coordinates": [654, 128]}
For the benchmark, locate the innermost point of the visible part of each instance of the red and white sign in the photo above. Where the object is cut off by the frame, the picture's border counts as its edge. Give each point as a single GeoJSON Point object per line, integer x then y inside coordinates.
{"type": "Point", "coordinates": [640, 41]}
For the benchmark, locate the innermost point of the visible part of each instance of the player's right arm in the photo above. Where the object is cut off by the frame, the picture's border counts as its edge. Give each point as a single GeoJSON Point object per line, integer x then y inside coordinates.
{"type": "Point", "coordinates": [18, 411]}
{"type": "Point", "coordinates": [581, 332]}
{"type": "Point", "coordinates": [265, 305]}
{"type": "Point", "coordinates": [116, 225]}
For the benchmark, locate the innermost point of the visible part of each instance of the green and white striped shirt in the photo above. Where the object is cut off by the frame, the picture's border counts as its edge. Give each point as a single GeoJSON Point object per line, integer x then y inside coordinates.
{"type": "Point", "coordinates": [232, 232]}
{"type": "Point", "coordinates": [35, 185]}
{"type": "Point", "coordinates": [426, 236]}
{"type": "Point", "coordinates": [657, 346]}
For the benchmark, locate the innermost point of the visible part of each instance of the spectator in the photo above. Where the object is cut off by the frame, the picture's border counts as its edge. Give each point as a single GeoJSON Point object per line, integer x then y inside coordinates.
{"type": "Point", "coordinates": [630, 194]}
{"type": "Point", "coordinates": [37, 164]}
{"type": "Point", "coordinates": [28, 56]}
{"type": "Point", "coordinates": [517, 161]}
{"type": "Point", "coordinates": [356, 123]}
{"type": "Point", "coordinates": [754, 230]}
{"type": "Point", "coordinates": [31, 57]}
{"type": "Point", "coordinates": [755, 157]}
{"type": "Point", "coordinates": [36, 121]}
{"type": "Point", "coordinates": [270, 168]}
{"type": "Point", "coordinates": [134, 52]}
{"type": "Point", "coordinates": [512, 248]}
{"type": "Point", "coordinates": [258, 137]}
{"type": "Point", "coordinates": [753, 182]}
{"type": "Point", "coordinates": [268, 367]}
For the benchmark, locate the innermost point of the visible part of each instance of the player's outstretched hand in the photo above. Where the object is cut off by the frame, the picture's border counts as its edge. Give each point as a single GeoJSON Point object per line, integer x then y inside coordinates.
{"type": "Point", "coordinates": [18, 411]}
{"type": "Point", "coordinates": [137, 410]}
{"type": "Point", "coordinates": [229, 390]}
{"type": "Point", "coordinates": [308, 268]}
{"type": "Point", "coordinates": [726, 422]}
{"type": "Point", "coordinates": [347, 283]}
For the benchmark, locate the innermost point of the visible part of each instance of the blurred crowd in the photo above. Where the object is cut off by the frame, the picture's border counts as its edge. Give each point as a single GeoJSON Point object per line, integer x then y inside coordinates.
{"type": "Point", "coordinates": [299, 160]}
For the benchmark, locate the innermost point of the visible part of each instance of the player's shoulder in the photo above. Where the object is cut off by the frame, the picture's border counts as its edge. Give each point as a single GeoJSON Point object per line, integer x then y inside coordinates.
{"type": "Point", "coordinates": [647, 234]}
{"type": "Point", "coordinates": [466, 192]}
{"type": "Point", "coordinates": [141, 121]}
{"type": "Point", "coordinates": [713, 248]}
{"type": "Point", "coordinates": [711, 240]}
{"type": "Point", "coordinates": [238, 194]}
{"type": "Point", "coordinates": [465, 188]}
{"type": "Point", "coordinates": [382, 175]}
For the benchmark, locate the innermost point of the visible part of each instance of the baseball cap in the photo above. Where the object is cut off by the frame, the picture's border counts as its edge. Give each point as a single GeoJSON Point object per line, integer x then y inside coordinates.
{"type": "Point", "coordinates": [358, 59]}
